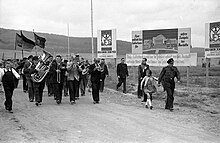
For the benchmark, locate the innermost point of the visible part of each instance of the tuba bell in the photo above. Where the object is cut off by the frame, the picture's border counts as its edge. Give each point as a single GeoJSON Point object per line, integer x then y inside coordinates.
{"type": "Point", "coordinates": [42, 66]}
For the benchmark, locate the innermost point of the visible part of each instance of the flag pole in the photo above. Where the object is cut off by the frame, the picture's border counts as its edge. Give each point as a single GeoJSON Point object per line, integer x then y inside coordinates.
{"type": "Point", "coordinates": [68, 42]}
{"type": "Point", "coordinates": [35, 47]}
{"type": "Point", "coordinates": [22, 53]}
{"type": "Point", "coordinates": [92, 30]}
{"type": "Point", "coordinates": [15, 48]}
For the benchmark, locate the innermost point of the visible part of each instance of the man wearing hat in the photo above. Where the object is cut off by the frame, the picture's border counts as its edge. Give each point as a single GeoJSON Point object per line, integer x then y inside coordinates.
{"type": "Point", "coordinates": [37, 86]}
{"type": "Point", "coordinates": [167, 75]}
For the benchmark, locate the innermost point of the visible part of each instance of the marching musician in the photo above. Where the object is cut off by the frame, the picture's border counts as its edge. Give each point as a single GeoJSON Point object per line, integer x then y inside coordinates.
{"type": "Point", "coordinates": [95, 73]}
{"type": "Point", "coordinates": [83, 76]}
{"type": "Point", "coordinates": [88, 81]}
{"type": "Point", "coordinates": [26, 70]}
{"type": "Point", "coordinates": [73, 79]}
{"type": "Point", "coordinates": [104, 73]}
{"type": "Point", "coordinates": [57, 71]}
{"type": "Point", "coordinates": [49, 78]}
{"type": "Point", "coordinates": [65, 86]}
{"type": "Point", "coordinates": [8, 76]}
{"type": "Point", "coordinates": [37, 86]}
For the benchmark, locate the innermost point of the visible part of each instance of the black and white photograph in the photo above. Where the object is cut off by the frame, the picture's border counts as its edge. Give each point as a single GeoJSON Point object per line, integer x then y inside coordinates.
{"type": "Point", "coordinates": [109, 71]}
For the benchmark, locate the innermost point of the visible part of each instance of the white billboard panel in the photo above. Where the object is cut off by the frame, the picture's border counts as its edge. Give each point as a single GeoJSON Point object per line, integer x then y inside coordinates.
{"type": "Point", "coordinates": [184, 40]}
{"type": "Point", "coordinates": [161, 59]}
{"type": "Point", "coordinates": [106, 44]}
{"type": "Point", "coordinates": [137, 42]}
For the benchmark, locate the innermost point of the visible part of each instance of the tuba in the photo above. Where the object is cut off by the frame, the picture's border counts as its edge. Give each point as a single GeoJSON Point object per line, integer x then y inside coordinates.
{"type": "Point", "coordinates": [42, 67]}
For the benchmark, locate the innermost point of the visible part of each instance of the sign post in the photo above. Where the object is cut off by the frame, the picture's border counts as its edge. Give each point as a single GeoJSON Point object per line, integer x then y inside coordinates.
{"type": "Point", "coordinates": [212, 41]}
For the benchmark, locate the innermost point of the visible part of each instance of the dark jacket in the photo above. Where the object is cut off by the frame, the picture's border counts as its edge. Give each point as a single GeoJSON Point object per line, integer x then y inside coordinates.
{"type": "Point", "coordinates": [167, 76]}
{"type": "Point", "coordinates": [26, 70]}
{"type": "Point", "coordinates": [104, 72]}
{"type": "Point", "coordinates": [142, 71]}
{"type": "Point", "coordinates": [53, 72]}
{"type": "Point", "coordinates": [122, 70]}
{"type": "Point", "coordinates": [95, 74]}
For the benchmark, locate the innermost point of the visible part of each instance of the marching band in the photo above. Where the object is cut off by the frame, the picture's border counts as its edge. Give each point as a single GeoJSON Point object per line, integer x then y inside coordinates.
{"type": "Point", "coordinates": [72, 76]}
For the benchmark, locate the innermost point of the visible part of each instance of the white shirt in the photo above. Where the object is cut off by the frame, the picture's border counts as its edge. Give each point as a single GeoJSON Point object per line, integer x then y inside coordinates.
{"type": "Point", "coordinates": [2, 72]}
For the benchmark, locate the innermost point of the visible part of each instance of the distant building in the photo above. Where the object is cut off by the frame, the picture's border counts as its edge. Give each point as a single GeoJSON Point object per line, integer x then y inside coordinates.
{"type": "Point", "coordinates": [201, 57]}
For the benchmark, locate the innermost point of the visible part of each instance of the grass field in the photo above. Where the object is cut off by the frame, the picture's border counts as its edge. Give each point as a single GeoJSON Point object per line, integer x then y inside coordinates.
{"type": "Point", "coordinates": [197, 76]}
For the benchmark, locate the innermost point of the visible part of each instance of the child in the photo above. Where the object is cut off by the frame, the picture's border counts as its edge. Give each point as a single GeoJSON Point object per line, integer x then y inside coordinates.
{"type": "Point", "coordinates": [148, 84]}
{"type": "Point", "coordinates": [8, 77]}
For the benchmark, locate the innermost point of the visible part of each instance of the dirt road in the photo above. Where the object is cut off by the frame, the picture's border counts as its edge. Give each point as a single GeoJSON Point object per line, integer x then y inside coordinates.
{"type": "Point", "coordinates": [109, 121]}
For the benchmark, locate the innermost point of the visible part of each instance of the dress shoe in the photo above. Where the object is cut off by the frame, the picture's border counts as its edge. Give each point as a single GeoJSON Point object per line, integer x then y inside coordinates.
{"type": "Point", "coordinates": [31, 100]}
{"type": "Point", "coordinates": [146, 106]}
{"type": "Point", "coordinates": [94, 102]}
{"type": "Point", "coordinates": [10, 111]}
{"type": "Point", "coordinates": [72, 102]}
{"type": "Point", "coordinates": [37, 104]}
{"type": "Point", "coordinates": [97, 102]}
{"type": "Point", "coordinates": [58, 102]}
{"type": "Point", "coordinates": [151, 107]}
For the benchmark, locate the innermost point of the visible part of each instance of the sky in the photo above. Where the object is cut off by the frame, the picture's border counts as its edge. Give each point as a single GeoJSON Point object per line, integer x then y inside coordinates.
{"type": "Point", "coordinates": [53, 16]}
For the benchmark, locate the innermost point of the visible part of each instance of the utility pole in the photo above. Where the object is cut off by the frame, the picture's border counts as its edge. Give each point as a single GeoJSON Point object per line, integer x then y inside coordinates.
{"type": "Point", "coordinates": [92, 30]}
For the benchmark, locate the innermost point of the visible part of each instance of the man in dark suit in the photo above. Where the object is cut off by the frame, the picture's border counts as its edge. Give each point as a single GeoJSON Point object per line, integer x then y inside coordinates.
{"type": "Point", "coordinates": [95, 73]}
{"type": "Point", "coordinates": [122, 73]}
{"type": "Point", "coordinates": [142, 68]}
{"type": "Point", "coordinates": [167, 75]}
{"type": "Point", "coordinates": [104, 73]}
{"type": "Point", "coordinates": [57, 71]}
{"type": "Point", "coordinates": [38, 87]}
{"type": "Point", "coordinates": [27, 67]}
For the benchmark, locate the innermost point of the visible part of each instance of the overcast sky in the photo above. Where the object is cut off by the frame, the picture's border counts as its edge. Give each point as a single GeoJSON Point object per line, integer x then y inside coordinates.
{"type": "Point", "coordinates": [52, 16]}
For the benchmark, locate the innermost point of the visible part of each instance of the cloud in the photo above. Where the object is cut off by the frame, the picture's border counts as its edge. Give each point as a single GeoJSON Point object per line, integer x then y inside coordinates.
{"type": "Point", "coordinates": [52, 16]}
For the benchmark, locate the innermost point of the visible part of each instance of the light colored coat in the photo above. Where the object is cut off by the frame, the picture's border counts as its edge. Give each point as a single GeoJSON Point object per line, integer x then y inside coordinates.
{"type": "Point", "coordinates": [72, 71]}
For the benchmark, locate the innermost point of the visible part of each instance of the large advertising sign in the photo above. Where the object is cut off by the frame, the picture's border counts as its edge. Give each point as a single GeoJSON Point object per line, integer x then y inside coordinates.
{"type": "Point", "coordinates": [212, 40]}
{"type": "Point", "coordinates": [163, 41]}
{"type": "Point", "coordinates": [161, 59]}
{"type": "Point", "coordinates": [106, 43]}
{"type": "Point", "coordinates": [137, 42]}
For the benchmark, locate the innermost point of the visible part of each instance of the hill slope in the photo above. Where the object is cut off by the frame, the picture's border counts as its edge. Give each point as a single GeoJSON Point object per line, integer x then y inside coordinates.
{"type": "Point", "coordinates": [58, 43]}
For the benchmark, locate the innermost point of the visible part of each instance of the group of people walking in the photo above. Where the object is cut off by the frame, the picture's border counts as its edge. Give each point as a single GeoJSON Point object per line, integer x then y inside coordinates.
{"type": "Point", "coordinates": [73, 76]}
{"type": "Point", "coordinates": [147, 83]}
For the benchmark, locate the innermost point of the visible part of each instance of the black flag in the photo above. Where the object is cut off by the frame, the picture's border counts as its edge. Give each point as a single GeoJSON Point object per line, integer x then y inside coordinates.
{"type": "Point", "coordinates": [18, 40]}
{"type": "Point", "coordinates": [27, 44]}
{"type": "Point", "coordinates": [39, 41]}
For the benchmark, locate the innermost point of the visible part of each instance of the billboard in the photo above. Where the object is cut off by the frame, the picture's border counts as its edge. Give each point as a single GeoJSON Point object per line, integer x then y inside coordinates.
{"type": "Point", "coordinates": [137, 42]}
{"type": "Point", "coordinates": [212, 40]}
{"type": "Point", "coordinates": [163, 41]}
{"type": "Point", "coordinates": [161, 59]}
{"type": "Point", "coordinates": [106, 43]}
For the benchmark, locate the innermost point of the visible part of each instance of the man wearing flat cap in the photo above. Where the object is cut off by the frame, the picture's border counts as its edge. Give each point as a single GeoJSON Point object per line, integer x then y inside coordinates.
{"type": "Point", "coordinates": [167, 75]}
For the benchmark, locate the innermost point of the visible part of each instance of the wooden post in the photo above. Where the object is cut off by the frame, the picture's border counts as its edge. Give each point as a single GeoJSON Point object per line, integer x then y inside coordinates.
{"type": "Point", "coordinates": [187, 72]}
{"type": "Point", "coordinates": [207, 72]}
{"type": "Point", "coordinates": [22, 53]}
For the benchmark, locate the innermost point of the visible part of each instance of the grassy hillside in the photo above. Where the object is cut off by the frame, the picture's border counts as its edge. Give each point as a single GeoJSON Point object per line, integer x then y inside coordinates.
{"type": "Point", "coordinates": [58, 43]}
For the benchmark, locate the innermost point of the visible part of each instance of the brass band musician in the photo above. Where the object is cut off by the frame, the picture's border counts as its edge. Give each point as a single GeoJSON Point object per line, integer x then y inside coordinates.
{"type": "Point", "coordinates": [95, 72]}
{"type": "Point", "coordinates": [104, 73]}
{"type": "Point", "coordinates": [83, 76]}
{"type": "Point", "coordinates": [73, 79]}
{"type": "Point", "coordinates": [57, 71]}
{"type": "Point", "coordinates": [37, 86]}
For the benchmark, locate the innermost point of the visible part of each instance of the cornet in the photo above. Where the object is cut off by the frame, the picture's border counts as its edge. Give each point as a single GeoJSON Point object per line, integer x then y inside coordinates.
{"type": "Point", "coordinates": [58, 73]}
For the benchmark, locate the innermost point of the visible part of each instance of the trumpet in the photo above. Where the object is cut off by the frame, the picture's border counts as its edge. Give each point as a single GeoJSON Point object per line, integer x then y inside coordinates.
{"type": "Point", "coordinates": [98, 67]}
{"type": "Point", "coordinates": [84, 69]}
{"type": "Point", "coordinates": [58, 73]}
